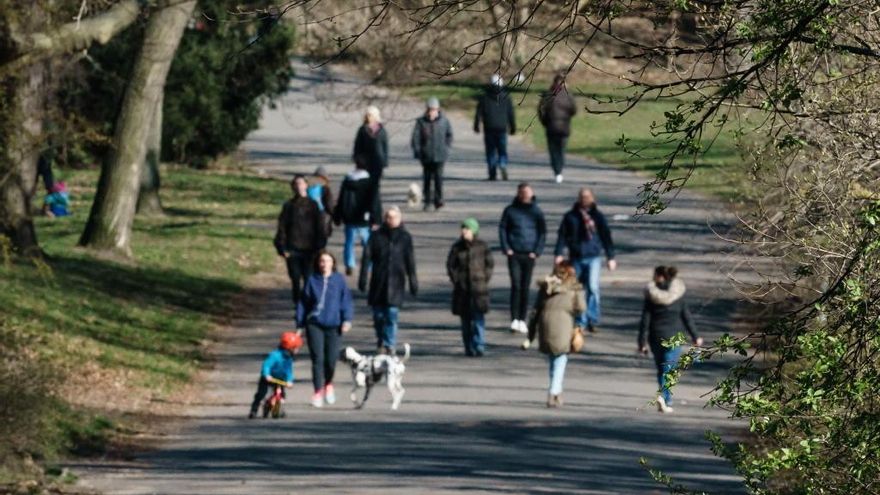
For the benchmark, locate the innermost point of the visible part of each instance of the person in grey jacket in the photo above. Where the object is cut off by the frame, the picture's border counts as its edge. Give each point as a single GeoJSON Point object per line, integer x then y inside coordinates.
{"type": "Point", "coordinates": [431, 139]}
{"type": "Point", "coordinates": [495, 112]}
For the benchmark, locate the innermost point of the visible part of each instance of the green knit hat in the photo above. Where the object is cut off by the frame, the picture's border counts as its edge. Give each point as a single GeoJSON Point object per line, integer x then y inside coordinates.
{"type": "Point", "coordinates": [471, 224]}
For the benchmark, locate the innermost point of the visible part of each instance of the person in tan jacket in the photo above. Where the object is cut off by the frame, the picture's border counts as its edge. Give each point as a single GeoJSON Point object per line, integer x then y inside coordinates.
{"type": "Point", "coordinates": [561, 299]}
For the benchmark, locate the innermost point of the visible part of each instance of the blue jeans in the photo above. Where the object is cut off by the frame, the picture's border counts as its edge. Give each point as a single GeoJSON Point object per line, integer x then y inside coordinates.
{"type": "Point", "coordinates": [352, 235]}
{"type": "Point", "coordinates": [385, 324]}
{"type": "Point", "coordinates": [473, 330]}
{"type": "Point", "coordinates": [588, 271]}
{"type": "Point", "coordinates": [496, 151]}
{"type": "Point", "coordinates": [557, 372]}
{"type": "Point", "coordinates": [666, 361]}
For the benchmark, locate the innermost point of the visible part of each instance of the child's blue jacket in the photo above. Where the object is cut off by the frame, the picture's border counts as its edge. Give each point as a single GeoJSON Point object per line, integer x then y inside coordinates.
{"type": "Point", "coordinates": [278, 364]}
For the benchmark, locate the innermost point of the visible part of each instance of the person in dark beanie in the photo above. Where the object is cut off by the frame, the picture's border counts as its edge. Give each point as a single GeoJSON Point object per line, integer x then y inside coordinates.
{"type": "Point", "coordinates": [555, 111]}
{"type": "Point", "coordinates": [388, 261]}
{"type": "Point", "coordinates": [522, 232]}
{"type": "Point", "coordinates": [371, 146]}
{"type": "Point", "coordinates": [431, 139]}
{"type": "Point", "coordinates": [358, 207]}
{"type": "Point", "coordinates": [584, 232]}
{"type": "Point", "coordinates": [495, 112]}
{"type": "Point", "coordinates": [300, 234]}
{"type": "Point", "coordinates": [469, 266]}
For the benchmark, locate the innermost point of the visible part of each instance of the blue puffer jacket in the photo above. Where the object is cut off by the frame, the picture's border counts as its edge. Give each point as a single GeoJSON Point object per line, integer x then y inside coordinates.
{"type": "Point", "coordinates": [338, 307]}
{"type": "Point", "coordinates": [573, 235]}
{"type": "Point", "coordinates": [523, 228]}
{"type": "Point", "coordinates": [278, 364]}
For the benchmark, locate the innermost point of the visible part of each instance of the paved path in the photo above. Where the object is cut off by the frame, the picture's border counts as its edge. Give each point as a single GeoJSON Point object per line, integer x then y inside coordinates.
{"type": "Point", "coordinates": [466, 425]}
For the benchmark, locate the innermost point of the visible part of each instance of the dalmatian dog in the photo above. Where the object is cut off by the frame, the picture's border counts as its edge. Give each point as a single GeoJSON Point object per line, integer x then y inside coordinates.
{"type": "Point", "coordinates": [414, 195]}
{"type": "Point", "coordinates": [367, 371]}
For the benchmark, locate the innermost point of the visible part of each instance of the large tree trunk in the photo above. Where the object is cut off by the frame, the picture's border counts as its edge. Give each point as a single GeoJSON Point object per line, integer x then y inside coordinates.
{"type": "Point", "coordinates": [112, 215]}
{"type": "Point", "coordinates": [148, 197]}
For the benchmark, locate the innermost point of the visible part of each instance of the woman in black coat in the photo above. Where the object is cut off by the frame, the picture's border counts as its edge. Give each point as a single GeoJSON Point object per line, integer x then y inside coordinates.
{"type": "Point", "coordinates": [469, 266]}
{"type": "Point", "coordinates": [371, 146]}
{"type": "Point", "coordinates": [664, 314]}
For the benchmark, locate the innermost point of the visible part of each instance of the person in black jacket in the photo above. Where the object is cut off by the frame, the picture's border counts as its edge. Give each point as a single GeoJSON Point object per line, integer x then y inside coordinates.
{"type": "Point", "coordinates": [389, 260]}
{"type": "Point", "coordinates": [469, 266]}
{"type": "Point", "coordinates": [584, 232]}
{"type": "Point", "coordinates": [522, 232]}
{"type": "Point", "coordinates": [300, 234]}
{"type": "Point", "coordinates": [371, 146]}
{"type": "Point", "coordinates": [495, 111]}
{"type": "Point", "coordinates": [555, 111]}
{"type": "Point", "coordinates": [664, 313]}
{"type": "Point", "coordinates": [431, 140]}
{"type": "Point", "coordinates": [357, 207]}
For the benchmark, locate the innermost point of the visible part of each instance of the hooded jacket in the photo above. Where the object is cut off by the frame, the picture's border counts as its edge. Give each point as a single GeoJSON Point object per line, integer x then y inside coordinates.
{"type": "Point", "coordinates": [665, 313]}
{"type": "Point", "coordinates": [573, 235]}
{"type": "Point", "coordinates": [431, 139]}
{"type": "Point", "coordinates": [523, 228]}
{"type": "Point", "coordinates": [389, 260]}
{"type": "Point", "coordinates": [469, 266]}
{"type": "Point", "coordinates": [495, 111]}
{"type": "Point", "coordinates": [559, 302]}
{"type": "Point", "coordinates": [358, 204]}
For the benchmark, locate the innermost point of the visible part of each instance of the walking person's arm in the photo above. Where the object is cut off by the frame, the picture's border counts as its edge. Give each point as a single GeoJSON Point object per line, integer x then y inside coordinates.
{"type": "Point", "coordinates": [410, 261]}
{"type": "Point", "coordinates": [489, 263]}
{"type": "Point", "coordinates": [503, 235]}
{"type": "Point", "coordinates": [448, 132]}
{"type": "Point", "coordinates": [607, 242]}
{"type": "Point", "coordinates": [478, 115]}
{"type": "Point", "coordinates": [644, 324]}
{"type": "Point", "coordinates": [383, 143]}
{"type": "Point", "coordinates": [688, 322]}
{"type": "Point", "coordinates": [541, 224]}
{"type": "Point", "coordinates": [280, 240]}
{"type": "Point", "coordinates": [366, 261]}
{"type": "Point", "coordinates": [452, 265]}
{"type": "Point", "coordinates": [511, 116]}
{"type": "Point", "coordinates": [304, 305]}
{"type": "Point", "coordinates": [561, 239]}
{"type": "Point", "coordinates": [415, 141]}
{"type": "Point", "coordinates": [346, 307]}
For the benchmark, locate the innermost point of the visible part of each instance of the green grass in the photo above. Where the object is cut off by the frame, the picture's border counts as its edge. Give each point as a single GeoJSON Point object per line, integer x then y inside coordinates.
{"type": "Point", "coordinates": [719, 172]}
{"type": "Point", "coordinates": [142, 323]}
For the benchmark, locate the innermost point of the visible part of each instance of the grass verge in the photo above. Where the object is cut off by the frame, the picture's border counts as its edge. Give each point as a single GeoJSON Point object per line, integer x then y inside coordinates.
{"type": "Point", "coordinates": [85, 341]}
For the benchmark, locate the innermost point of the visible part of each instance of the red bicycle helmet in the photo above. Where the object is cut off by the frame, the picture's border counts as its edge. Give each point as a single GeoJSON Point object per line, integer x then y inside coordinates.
{"type": "Point", "coordinates": [291, 340]}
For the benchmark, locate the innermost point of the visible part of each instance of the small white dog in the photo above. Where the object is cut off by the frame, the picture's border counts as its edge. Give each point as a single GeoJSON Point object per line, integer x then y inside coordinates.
{"type": "Point", "coordinates": [367, 371]}
{"type": "Point", "coordinates": [414, 195]}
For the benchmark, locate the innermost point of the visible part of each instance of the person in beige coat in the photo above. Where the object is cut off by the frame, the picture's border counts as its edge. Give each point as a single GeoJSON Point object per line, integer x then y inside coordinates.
{"type": "Point", "coordinates": [561, 299]}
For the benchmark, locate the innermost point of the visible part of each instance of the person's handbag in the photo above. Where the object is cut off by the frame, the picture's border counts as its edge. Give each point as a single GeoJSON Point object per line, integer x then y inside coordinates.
{"type": "Point", "coordinates": [577, 340]}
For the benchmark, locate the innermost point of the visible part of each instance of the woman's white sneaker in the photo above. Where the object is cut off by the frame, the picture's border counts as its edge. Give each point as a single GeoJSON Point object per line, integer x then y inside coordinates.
{"type": "Point", "coordinates": [662, 407]}
{"type": "Point", "coordinates": [559, 178]}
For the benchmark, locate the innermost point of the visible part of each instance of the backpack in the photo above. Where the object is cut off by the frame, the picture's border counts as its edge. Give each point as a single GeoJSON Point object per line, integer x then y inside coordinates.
{"type": "Point", "coordinates": [316, 192]}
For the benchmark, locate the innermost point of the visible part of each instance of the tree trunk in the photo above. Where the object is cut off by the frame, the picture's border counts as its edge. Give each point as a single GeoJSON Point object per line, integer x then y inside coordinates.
{"type": "Point", "coordinates": [148, 198]}
{"type": "Point", "coordinates": [112, 215]}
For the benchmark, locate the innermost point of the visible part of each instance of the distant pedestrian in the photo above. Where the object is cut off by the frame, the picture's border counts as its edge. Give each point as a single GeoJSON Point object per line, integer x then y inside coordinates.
{"type": "Point", "coordinates": [358, 207]}
{"type": "Point", "coordinates": [664, 314]}
{"type": "Point", "coordinates": [585, 234]}
{"type": "Point", "coordinates": [431, 140]}
{"type": "Point", "coordinates": [495, 111]}
{"type": "Point", "coordinates": [560, 300]}
{"type": "Point", "coordinates": [321, 193]}
{"type": "Point", "coordinates": [389, 261]}
{"type": "Point", "coordinates": [469, 266]}
{"type": "Point", "coordinates": [325, 311]}
{"type": "Point", "coordinates": [555, 111]}
{"type": "Point", "coordinates": [300, 234]}
{"type": "Point", "coordinates": [522, 232]}
{"type": "Point", "coordinates": [371, 146]}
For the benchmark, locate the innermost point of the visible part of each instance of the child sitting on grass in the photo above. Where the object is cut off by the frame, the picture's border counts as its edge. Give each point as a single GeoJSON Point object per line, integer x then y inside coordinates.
{"type": "Point", "coordinates": [278, 365]}
{"type": "Point", "coordinates": [57, 202]}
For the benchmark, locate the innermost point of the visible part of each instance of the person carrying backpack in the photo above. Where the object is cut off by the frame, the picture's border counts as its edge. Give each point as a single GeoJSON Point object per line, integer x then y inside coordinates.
{"type": "Point", "coordinates": [358, 208]}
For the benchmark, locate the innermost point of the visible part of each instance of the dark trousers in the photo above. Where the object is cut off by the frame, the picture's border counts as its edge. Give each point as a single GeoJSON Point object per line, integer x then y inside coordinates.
{"type": "Point", "coordinates": [44, 169]}
{"type": "Point", "coordinates": [520, 266]}
{"type": "Point", "coordinates": [299, 269]}
{"type": "Point", "coordinates": [323, 349]}
{"type": "Point", "coordinates": [556, 145]}
{"type": "Point", "coordinates": [263, 387]}
{"type": "Point", "coordinates": [496, 151]}
{"type": "Point", "coordinates": [432, 172]}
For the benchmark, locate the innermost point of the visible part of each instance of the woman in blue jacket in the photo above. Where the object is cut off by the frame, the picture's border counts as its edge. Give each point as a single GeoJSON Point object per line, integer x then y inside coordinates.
{"type": "Point", "coordinates": [325, 310]}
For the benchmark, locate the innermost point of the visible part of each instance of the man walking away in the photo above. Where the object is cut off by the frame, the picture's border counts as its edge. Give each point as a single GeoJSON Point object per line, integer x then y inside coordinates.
{"type": "Point", "coordinates": [522, 232]}
{"type": "Point", "coordinates": [495, 111]}
{"type": "Point", "coordinates": [358, 207]}
{"type": "Point", "coordinates": [555, 111]}
{"type": "Point", "coordinates": [431, 139]}
{"type": "Point", "coordinates": [300, 234]}
{"type": "Point", "coordinates": [584, 232]}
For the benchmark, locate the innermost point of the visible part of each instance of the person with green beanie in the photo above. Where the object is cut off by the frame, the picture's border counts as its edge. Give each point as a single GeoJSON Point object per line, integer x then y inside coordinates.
{"type": "Point", "coordinates": [469, 266]}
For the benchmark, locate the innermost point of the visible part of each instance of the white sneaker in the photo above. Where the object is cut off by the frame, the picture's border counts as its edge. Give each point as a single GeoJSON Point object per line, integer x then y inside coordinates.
{"type": "Point", "coordinates": [662, 407]}
{"type": "Point", "coordinates": [318, 399]}
{"type": "Point", "coordinates": [514, 326]}
{"type": "Point", "coordinates": [559, 178]}
{"type": "Point", "coordinates": [523, 327]}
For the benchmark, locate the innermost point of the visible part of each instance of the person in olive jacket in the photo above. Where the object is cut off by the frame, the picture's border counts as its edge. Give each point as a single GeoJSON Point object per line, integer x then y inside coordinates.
{"type": "Point", "coordinates": [664, 314]}
{"type": "Point", "coordinates": [371, 147]}
{"type": "Point", "coordinates": [469, 266]}
{"type": "Point", "coordinates": [431, 140]}
{"type": "Point", "coordinates": [301, 233]}
{"type": "Point", "coordinates": [555, 112]}
{"type": "Point", "coordinates": [388, 260]}
{"type": "Point", "coordinates": [495, 112]}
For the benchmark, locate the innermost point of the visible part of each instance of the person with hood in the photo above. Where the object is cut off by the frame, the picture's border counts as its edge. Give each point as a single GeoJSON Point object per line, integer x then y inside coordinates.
{"type": "Point", "coordinates": [560, 300]}
{"type": "Point", "coordinates": [300, 234]}
{"type": "Point", "coordinates": [495, 111]}
{"type": "Point", "coordinates": [431, 139]}
{"type": "Point", "coordinates": [389, 261]}
{"type": "Point", "coordinates": [371, 146]}
{"type": "Point", "coordinates": [358, 208]}
{"type": "Point", "coordinates": [664, 314]}
{"type": "Point", "coordinates": [469, 266]}
{"type": "Point", "coordinates": [321, 193]}
{"type": "Point", "coordinates": [584, 232]}
{"type": "Point", "coordinates": [555, 110]}
{"type": "Point", "coordinates": [522, 232]}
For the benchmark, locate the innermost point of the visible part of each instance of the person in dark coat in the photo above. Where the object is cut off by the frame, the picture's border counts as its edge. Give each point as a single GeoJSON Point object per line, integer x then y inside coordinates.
{"type": "Point", "coordinates": [371, 146]}
{"type": "Point", "coordinates": [555, 111]}
{"type": "Point", "coordinates": [664, 314]}
{"type": "Point", "coordinates": [389, 261]}
{"type": "Point", "coordinates": [357, 207]}
{"type": "Point", "coordinates": [495, 112]}
{"type": "Point", "coordinates": [585, 234]}
{"type": "Point", "coordinates": [522, 232]}
{"type": "Point", "coordinates": [469, 266]}
{"type": "Point", "coordinates": [300, 234]}
{"type": "Point", "coordinates": [431, 139]}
